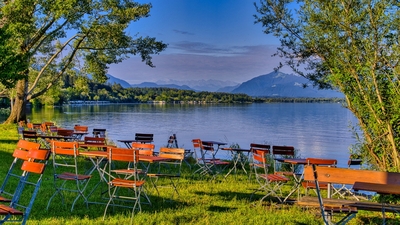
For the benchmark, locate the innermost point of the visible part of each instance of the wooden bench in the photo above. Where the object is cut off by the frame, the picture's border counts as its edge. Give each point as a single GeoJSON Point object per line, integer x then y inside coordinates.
{"type": "Point", "coordinates": [346, 176]}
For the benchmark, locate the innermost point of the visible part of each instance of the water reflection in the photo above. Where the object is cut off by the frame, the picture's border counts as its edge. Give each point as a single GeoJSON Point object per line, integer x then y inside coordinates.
{"type": "Point", "coordinates": [315, 129]}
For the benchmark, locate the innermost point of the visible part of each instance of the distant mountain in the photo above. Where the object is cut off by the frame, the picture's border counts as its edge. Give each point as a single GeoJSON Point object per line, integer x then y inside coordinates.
{"type": "Point", "coordinates": [228, 89]}
{"type": "Point", "coordinates": [282, 85]}
{"type": "Point", "coordinates": [113, 80]}
{"type": "Point", "coordinates": [275, 84]}
{"type": "Point", "coordinates": [202, 85]}
{"type": "Point", "coordinates": [151, 84]}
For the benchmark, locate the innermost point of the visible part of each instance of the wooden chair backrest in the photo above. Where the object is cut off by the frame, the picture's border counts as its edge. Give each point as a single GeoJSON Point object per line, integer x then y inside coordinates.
{"type": "Point", "coordinates": [350, 176]}
{"type": "Point", "coordinates": [30, 126]}
{"type": "Point", "coordinates": [123, 154]}
{"type": "Point", "coordinates": [65, 132]}
{"type": "Point", "coordinates": [283, 150]}
{"type": "Point", "coordinates": [260, 147]}
{"type": "Point", "coordinates": [144, 138]}
{"type": "Point", "coordinates": [144, 148]}
{"type": "Point", "coordinates": [29, 134]}
{"type": "Point", "coordinates": [95, 140]}
{"type": "Point", "coordinates": [26, 150]}
{"type": "Point", "coordinates": [259, 156]}
{"type": "Point", "coordinates": [64, 148]}
{"type": "Point", "coordinates": [354, 162]}
{"type": "Point", "coordinates": [39, 154]}
{"type": "Point", "coordinates": [28, 145]}
{"type": "Point", "coordinates": [81, 128]}
{"type": "Point", "coordinates": [207, 146]}
{"type": "Point", "coordinates": [33, 167]}
{"type": "Point", "coordinates": [172, 153]}
{"type": "Point", "coordinates": [196, 143]}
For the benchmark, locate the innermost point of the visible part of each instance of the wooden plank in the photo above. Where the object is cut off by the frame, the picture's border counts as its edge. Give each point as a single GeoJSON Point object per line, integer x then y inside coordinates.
{"type": "Point", "coordinates": [349, 176]}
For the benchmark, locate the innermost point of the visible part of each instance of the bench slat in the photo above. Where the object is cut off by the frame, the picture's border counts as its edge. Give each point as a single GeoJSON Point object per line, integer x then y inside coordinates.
{"type": "Point", "coordinates": [349, 176]}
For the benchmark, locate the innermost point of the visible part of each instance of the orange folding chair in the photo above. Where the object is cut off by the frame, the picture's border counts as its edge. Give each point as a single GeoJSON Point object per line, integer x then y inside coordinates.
{"type": "Point", "coordinates": [67, 176]}
{"type": "Point", "coordinates": [280, 153]}
{"type": "Point", "coordinates": [20, 155]}
{"type": "Point", "coordinates": [144, 149]}
{"type": "Point", "coordinates": [28, 186]}
{"type": "Point", "coordinates": [200, 161]}
{"type": "Point", "coordinates": [124, 189]}
{"type": "Point", "coordinates": [269, 183]}
{"type": "Point", "coordinates": [170, 169]}
{"type": "Point", "coordinates": [258, 164]}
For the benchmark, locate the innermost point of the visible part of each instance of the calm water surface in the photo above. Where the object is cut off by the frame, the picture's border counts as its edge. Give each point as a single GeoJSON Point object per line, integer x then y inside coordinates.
{"type": "Point", "coordinates": [315, 129]}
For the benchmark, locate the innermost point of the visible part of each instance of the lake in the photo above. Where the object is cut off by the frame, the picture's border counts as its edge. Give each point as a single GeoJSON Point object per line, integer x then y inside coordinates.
{"type": "Point", "coordinates": [314, 129]}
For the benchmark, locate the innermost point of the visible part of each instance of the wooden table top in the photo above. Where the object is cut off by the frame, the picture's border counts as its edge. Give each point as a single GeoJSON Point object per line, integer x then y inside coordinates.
{"type": "Point", "coordinates": [378, 188]}
{"type": "Point", "coordinates": [144, 158]}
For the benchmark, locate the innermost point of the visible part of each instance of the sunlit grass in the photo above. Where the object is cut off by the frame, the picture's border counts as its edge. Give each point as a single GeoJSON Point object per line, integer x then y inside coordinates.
{"type": "Point", "coordinates": [201, 201]}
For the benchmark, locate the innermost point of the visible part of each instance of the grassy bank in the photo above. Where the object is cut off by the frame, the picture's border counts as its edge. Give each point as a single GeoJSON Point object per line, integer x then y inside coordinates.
{"type": "Point", "coordinates": [201, 201]}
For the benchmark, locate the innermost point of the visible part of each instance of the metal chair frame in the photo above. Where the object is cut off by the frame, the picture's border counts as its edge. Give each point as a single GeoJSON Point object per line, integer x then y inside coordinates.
{"type": "Point", "coordinates": [170, 169]}
{"type": "Point", "coordinates": [29, 183]}
{"type": "Point", "coordinates": [130, 181]}
{"type": "Point", "coordinates": [20, 155]}
{"type": "Point", "coordinates": [271, 184]}
{"type": "Point", "coordinates": [66, 169]}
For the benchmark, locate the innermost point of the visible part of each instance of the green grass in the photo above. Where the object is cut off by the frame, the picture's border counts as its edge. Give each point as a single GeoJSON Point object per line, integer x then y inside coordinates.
{"type": "Point", "coordinates": [201, 201]}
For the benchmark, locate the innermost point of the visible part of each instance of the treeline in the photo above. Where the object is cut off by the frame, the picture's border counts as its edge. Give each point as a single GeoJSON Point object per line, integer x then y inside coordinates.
{"type": "Point", "coordinates": [83, 89]}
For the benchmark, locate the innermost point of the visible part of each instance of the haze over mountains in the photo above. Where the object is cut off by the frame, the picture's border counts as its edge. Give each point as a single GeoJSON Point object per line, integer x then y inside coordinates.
{"type": "Point", "coordinates": [274, 84]}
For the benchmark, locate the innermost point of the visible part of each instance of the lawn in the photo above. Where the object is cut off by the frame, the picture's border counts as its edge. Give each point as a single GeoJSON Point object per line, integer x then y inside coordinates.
{"type": "Point", "coordinates": [201, 201]}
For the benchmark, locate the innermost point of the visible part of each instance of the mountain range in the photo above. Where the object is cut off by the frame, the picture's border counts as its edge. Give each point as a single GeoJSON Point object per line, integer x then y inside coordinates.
{"type": "Point", "coordinates": [274, 84]}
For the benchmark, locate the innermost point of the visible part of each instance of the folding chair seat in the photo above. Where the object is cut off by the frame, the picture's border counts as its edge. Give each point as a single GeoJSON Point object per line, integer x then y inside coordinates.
{"type": "Point", "coordinates": [170, 169]}
{"type": "Point", "coordinates": [271, 184]}
{"type": "Point", "coordinates": [307, 185]}
{"type": "Point", "coordinates": [67, 176]}
{"type": "Point", "coordinates": [20, 155]}
{"type": "Point", "coordinates": [130, 197]}
{"type": "Point", "coordinates": [26, 191]}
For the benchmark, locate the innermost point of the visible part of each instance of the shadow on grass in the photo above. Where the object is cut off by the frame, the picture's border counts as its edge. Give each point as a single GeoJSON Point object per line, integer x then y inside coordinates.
{"type": "Point", "coordinates": [215, 208]}
{"type": "Point", "coordinates": [8, 141]}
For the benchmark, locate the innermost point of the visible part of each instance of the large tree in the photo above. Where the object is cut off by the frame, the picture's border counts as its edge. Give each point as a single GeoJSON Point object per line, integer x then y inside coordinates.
{"type": "Point", "coordinates": [352, 46]}
{"type": "Point", "coordinates": [41, 41]}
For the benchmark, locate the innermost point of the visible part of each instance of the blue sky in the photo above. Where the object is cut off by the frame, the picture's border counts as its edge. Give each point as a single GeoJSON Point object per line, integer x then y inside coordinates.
{"type": "Point", "coordinates": [207, 39]}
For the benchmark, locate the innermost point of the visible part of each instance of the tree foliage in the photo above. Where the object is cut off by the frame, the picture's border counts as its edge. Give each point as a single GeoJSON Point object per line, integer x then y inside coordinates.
{"type": "Point", "coordinates": [51, 38]}
{"type": "Point", "coordinates": [351, 46]}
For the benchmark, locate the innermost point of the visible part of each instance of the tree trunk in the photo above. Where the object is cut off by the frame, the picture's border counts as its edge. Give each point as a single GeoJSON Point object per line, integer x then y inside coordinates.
{"type": "Point", "coordinates": [18, 110]}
